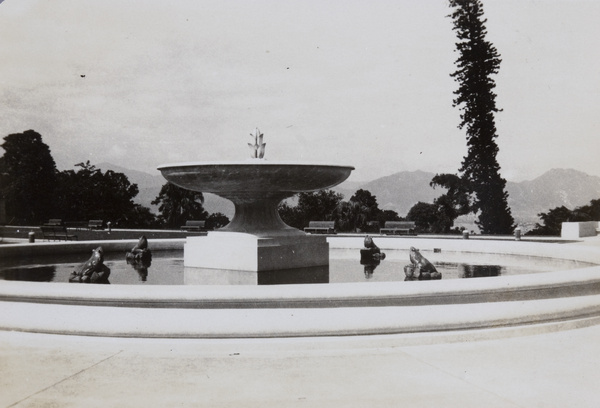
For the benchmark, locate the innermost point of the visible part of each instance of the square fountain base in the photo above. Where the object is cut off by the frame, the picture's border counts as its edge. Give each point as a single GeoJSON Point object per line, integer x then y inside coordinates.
{"type": "Point", "coordinates": [247, 252]}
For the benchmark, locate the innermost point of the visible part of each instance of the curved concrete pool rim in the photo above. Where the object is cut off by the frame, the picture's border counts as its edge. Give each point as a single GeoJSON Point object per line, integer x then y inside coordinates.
{"type": "Point", "coordinates": [309, 310]}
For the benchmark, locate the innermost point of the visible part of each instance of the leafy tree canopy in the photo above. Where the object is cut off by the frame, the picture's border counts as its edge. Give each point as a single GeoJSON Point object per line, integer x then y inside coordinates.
{"type": "Point", "coordinates": [360, 212]}
{"type": "Point", "coordinates": [553, 219]}
{"type": "Point", "coordinates": [177, 205]}
{"type": "Point", "coordinates": [88, 193]}
{"type": "Point", "coordinates": [425, 216]}
{"type": "Point", "coordinates": [454, 203]}
{"type": "Point", "coordinates": [28, 177]}
{"type": "Point", "coordinates": [216, 220]}
{"type": "Point", "coordinates": [312, 206]}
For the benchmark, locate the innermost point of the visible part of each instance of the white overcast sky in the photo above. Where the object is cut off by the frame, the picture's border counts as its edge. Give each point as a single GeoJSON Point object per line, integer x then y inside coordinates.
{"type": "Point", "coordinates": [364, 83]}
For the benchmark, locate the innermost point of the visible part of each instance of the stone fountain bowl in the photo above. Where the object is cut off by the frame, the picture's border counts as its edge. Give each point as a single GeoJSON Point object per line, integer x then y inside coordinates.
{"type": "Point", "coordinates": [254, 177]}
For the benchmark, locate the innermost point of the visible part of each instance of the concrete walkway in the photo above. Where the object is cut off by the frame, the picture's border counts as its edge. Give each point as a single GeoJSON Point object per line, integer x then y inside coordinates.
{"type": "Point", "coordinates": [551, 365]}
{"type": "Point", "coordinates": [555, 369]}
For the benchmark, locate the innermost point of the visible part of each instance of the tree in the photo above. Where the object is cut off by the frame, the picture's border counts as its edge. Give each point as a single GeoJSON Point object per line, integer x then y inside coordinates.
{"type": "Point", "coordinates": [387, 215]}
{"type": "Point", "coordinates": [592, 210]}
{"type": "Point", "coordinates": [362, 212]}
{"type": "Point", "coordinates": [367, 199]}
{"type": "Point", "coordinates": [351, 215]}
{"type": "Point", "coordinates": [216, 220]}
{"type": "Point", "coordinates": [439, 217]}
{"type": "Point", "coordinates": [290, 215]}
{"type": "Point", "coordinates": [313, 206]}
{"type": "Point", "coordinates": [368, 202]}
{"type": "Point", "coordinates": [553, 219]}
{"type": "Point", "coordinates": [425, 216]}
{"type": "Point", "coordinates": [140, 217]}
{"type": "Point", "coordinates": [478, 60]}
{"type": "Point", "coordinates": [88, 193]}
{"type": "Point", "coordinates": [454, 203]}
{"type": "Point", "coordinates": [177, 205]}
{"type": "Point", "coordinates": [29, 177]}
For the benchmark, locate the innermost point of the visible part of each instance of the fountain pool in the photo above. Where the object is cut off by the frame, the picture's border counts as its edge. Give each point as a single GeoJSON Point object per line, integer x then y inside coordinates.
{"type": "Point", "coordinates": [167, 268]}
{"type": "Point", "coordinates": [447, 308]}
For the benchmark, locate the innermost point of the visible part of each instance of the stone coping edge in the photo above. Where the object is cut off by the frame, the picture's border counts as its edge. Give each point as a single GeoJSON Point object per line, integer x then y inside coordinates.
{"type": "Point", "coordinates": [74, 247]}
{"type": "Point", "coordinates": [266, 323]}
{"type": "Point", "coordinates": [581, 282]}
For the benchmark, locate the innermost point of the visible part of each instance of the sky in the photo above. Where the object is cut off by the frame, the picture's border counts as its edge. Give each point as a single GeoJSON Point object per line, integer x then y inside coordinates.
{"type": "Point", "coordinates": [361, 83]}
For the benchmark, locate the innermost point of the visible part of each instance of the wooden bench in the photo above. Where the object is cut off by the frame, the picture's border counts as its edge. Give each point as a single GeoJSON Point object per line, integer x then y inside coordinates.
{"type": "Point", "coordinates": [54, 222]}
{"type": "Point", "coordinates": [192, 225]}
{"type": "Point", "coordinates": [321, 227]}
{"type": "Point", "coordinates": [95, 224]}
{"type": "Point", "coordinates": [398, 228]}
{"type": "Point", "coordinates": [56, 233]}
{"type": "Point", "coordinates": [76, 225]}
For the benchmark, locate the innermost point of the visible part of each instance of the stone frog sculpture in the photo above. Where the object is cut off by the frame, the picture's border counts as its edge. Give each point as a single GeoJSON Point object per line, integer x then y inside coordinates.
{"type": "Point", "coordinates": [371, 250]}
{"type": "Point", "coordinates": [92, 271]}
{"type": "Point", "coordinates": [420, 268]}
{"type": "Point", "coordinates": [370, 256]}
{"type": "Point", "coordinates": [140, 252]}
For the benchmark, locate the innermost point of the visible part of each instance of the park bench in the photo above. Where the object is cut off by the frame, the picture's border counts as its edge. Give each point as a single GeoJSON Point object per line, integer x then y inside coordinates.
{"type": "Point", "coordinates": [54, 222]}
{"type": "Point", "coordinates": [398, 228]}
{"type": "Point", "coordinates": [192, 225]}
{"type": "Point", "coordinates": [371, 226]}
{"type": "Point", "coordinates": [56, 233]}
{"type": "Point", "coordinates": [320, 227]}
{"type": "Point", "coordinates": [96, 224]}
{"type": "Point", "coordinates": [76, 225]}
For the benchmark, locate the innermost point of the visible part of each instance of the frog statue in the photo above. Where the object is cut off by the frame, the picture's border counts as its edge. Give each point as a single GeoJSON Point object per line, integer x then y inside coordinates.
{"type": "Point", "coordinates": [370, 256]}
{"type": "Point", "coordinates": [420, 268]}
{"type": "Point", "coordinates": [140, 252]}
{"type": "Point", "coordinates": [92, 271]}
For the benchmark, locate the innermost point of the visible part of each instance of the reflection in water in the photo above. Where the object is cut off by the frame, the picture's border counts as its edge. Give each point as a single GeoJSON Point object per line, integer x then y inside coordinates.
{"type": "Point", "coordinates": [370, 261]}
{"type": "Point", "coordinates": [140, 266]}
{"type": "Point", "coordinates": [315, 274]}
{"type": "Point", "coordinates": [203, 276]}
{"type": "Point", "coordinates": [168, 269]}
{"type": "Point", "coordinates": [43, 273]}
{"type": "Point", "coordinates": [479, 271]}
{"type": "Point", "coordinates": [140, 258]}
{"type": "Point", "coordinates": [369, 267]}
{"type": "Point", "coordinates": [370, 257]}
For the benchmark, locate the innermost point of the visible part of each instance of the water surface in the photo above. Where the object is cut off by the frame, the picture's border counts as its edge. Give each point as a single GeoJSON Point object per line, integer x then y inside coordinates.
{"type": "Point", "coordinates": [167, 268]}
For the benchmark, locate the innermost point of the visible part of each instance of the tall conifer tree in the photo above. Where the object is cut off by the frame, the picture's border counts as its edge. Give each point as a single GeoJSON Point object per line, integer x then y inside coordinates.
{"type": "Point", "coordinates": [478, 61]}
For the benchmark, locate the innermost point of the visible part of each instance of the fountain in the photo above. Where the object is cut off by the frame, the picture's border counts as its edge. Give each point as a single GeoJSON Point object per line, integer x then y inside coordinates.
{"type": "Point", "coordinates": [256, 239]}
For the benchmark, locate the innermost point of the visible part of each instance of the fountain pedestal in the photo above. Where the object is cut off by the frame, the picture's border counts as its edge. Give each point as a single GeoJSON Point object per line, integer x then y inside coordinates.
{"type": "Point", "coordinates": [256, 239]}
{"type": "Point", "coordinates": [248, 252]}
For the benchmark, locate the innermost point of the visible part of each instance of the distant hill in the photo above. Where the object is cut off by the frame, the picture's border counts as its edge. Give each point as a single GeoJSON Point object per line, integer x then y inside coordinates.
{"type": "Point", "coordinates": [555, 188]}
{"type": "Point", "coordinates": [400, 191]}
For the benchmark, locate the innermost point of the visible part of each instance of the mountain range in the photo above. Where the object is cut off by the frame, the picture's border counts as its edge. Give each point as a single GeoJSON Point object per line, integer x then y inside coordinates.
{"type": "Point", "coordinates": [400, 191]}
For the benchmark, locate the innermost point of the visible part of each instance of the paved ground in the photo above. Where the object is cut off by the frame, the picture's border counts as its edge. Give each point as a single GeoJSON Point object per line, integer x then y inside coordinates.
{"type": "Point", "coordinates": [535, 368]}
{"type": "Point", "coordinates": [558, 369]}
